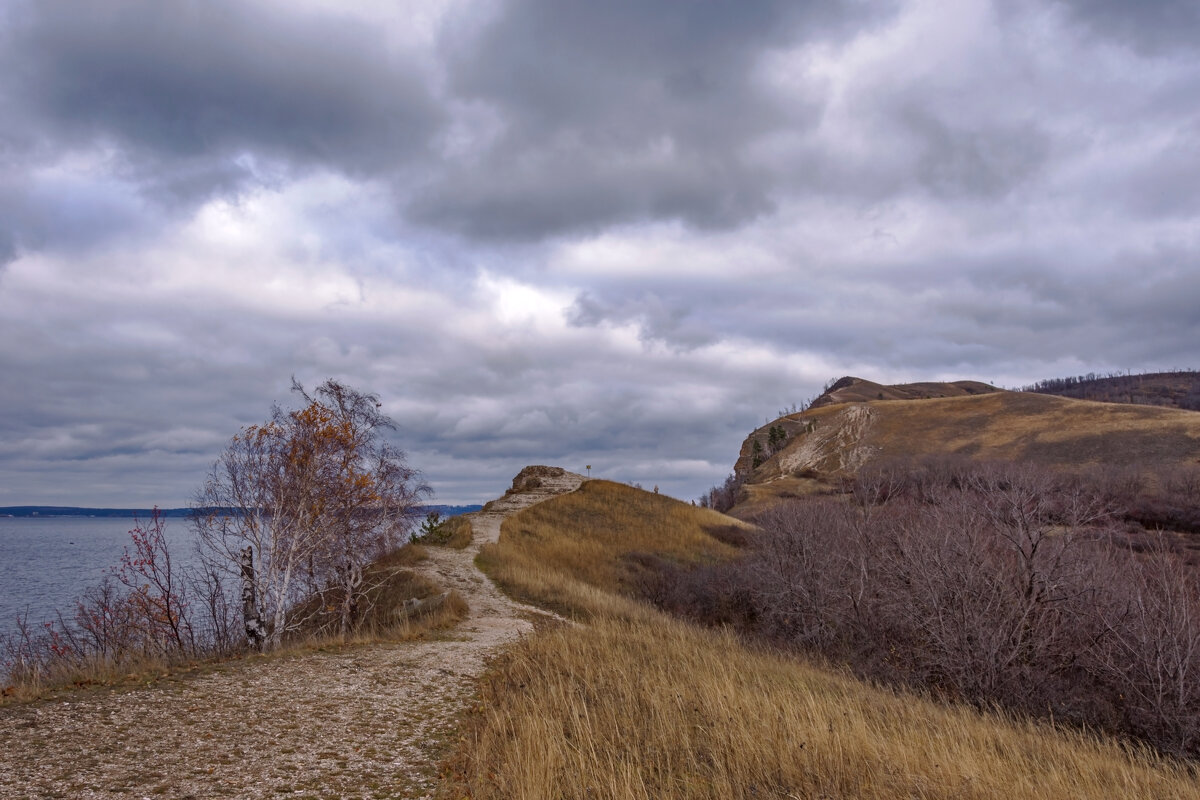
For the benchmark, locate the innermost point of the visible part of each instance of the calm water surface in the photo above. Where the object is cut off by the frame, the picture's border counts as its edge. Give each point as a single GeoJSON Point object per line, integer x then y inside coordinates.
{"type": "Point", "coordinates": [47, 562]}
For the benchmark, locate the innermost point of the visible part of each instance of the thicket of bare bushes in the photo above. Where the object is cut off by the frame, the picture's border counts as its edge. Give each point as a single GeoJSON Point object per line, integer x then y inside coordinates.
{"type": "Point", "coordinates": [727, 495]}
{"type": "Point", "coordinates": [1178, 388]}
{"type": "Point", "coordinates": [149, 614]}
{"type": "Point", "coordinates": [146, 612]}
{"type": "Point", "coordinates": [993, 584]}
{"type": "Point", "coordinates": [292, 527]}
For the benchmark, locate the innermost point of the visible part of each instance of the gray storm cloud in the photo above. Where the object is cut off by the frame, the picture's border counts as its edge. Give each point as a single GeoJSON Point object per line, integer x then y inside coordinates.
{"type": "Point", "coordinates": [623, 112]}
{"type": "Point", "coordinates": [169, 84]}
{"type": "Point", "coordinates": [619, 234]}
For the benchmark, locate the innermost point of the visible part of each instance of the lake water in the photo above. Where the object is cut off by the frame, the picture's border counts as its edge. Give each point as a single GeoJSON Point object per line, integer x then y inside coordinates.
{"type": "Point", "coordinates": [47, 562]}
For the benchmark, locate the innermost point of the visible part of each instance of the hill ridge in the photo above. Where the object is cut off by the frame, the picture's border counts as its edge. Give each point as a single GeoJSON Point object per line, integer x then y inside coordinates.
{"type": "Point", "coordinates": [835, 439]}
{"type": "Point", "coordinates": [850, 389]}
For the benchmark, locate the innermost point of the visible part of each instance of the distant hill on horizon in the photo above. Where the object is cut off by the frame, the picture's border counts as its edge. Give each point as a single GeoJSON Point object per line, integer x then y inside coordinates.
{"type": "Point", "coordinates": [1176, 389]}
{"type": "Point", "coordinates": [130, 513]}
{"type": "Point", "coordinates": [75, 511]}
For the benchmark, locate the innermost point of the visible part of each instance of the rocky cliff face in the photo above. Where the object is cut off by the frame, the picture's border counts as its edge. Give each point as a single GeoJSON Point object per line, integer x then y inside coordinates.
{"type": "Point", "coordinates": [813, 443]}
{"type": "Point", "coordinates": [536, 481]}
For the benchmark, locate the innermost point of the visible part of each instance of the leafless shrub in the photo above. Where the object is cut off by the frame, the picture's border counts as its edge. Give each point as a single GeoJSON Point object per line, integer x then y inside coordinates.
{"type": "Point", "coordinates": [797, 573]}
{"type": "Point", "coordinates": [106, 621]}
{"type": "Point", "coordinates": [1148, 653]}
{"type": "Point", "coordinates": [1123, 484]}
{"type": "Point", "coordinates": [1183, 483]}
{"type": "Point", "coordinates": [137, 614]}
{"type": "Point", "coordinates": [991, 583]}
{"type": "Point", "coordinates": [725, 496]}
{"type": "Point", "coordinates": [217, 622]}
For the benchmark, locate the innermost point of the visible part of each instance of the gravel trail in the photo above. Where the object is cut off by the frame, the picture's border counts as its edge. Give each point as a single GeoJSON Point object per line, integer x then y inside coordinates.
{"type": "Point", "coordinates": [370, 721]}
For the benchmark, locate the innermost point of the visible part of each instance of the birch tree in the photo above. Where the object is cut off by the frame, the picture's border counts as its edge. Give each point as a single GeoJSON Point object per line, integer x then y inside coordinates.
{"type": "Point", "coordinates": [368, 495]}
{"type": "Point", "coordinates": [297, 507]}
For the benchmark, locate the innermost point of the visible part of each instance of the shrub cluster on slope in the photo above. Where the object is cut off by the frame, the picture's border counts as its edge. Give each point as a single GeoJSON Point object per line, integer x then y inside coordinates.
{"type": "Point", "coordinates": [129, 624]}
{"type": "Point", "coordinates": [636, 704]}
{"type": "Point", "coordinates": [1178, 389]}
{"type": "Point", "coordinates": [1001, 583]}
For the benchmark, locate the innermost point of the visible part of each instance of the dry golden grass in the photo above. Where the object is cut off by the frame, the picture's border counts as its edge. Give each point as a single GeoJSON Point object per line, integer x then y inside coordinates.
{"type": "Point", "coordinates": [637, 705]}
{"type": "Point", "coordinates": [93, 673]}
{"type": "Point", "coordinates": [568, 553]}
{"type": "Point", "coordinates": [1052, 430]}
{"type": "Point", "coordinates": [759, 497]}
{"type": "Point", "coordinates": [459, 532]}
{"type": "Point", "coordinates": [524, 578]}
{"type": "Point", "coordinates": [654, 708]}
{"type": "Point", "coordinates": [453, 532]}
{"type": "Point", "coordinates": [1002, 426]}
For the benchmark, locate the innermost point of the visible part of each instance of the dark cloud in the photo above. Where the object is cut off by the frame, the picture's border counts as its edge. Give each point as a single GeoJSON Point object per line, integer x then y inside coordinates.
{"type": "Point", "coordinates": [515, 197]}
{"type": "Point", "coordinates": [118, 117]}
{"type": "Point", "coordinates": [985, 163]}
{"type": "Point", "coordinates": [184, 92]}
{"type": "Point", "coordinates": [657, 319]}
{"type": "Point", "coordinates": [67, 213]}
{"type": "Point", "coordinates": [617, 112]}
{"type": "Point", "coordinates": [1151, 27]}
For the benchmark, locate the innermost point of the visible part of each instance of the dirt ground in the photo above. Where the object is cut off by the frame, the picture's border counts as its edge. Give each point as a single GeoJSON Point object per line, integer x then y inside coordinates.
{"type": "Point", "coordinates": [356, 722]}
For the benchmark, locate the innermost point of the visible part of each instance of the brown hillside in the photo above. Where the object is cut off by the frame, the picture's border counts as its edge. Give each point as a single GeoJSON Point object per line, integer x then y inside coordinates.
{"type": "Point", "coordinates": [637, 705]}
{"type": "Point", "coordinates": [857, 390]}
{"type": "Point", "coordinates": [558, 553]}
{"type": "Point", "coordinates": [837, 439]}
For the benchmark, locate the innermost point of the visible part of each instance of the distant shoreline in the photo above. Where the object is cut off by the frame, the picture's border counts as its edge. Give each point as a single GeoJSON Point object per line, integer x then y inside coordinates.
{"type": "Point", "coordinates": [129, 513]}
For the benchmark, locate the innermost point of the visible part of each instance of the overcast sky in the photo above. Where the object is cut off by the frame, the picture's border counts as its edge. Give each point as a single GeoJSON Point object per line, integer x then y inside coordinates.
{"type": "Point", "coordinates": [569, 232]}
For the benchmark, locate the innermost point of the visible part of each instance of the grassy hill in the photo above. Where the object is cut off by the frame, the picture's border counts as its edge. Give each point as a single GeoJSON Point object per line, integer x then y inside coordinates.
{"type": "Point", "coordinates": [836, 439]}
{"type": "Point", "coordinates": [857, 390]}
{"type": "Point", "coordinates": [636, 704]}
{"type": "Point", "coordinates": [576, 554]}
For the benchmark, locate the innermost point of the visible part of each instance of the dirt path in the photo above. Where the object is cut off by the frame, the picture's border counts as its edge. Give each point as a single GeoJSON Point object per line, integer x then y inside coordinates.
{"type": "Point", "coordinates": [363, 722]}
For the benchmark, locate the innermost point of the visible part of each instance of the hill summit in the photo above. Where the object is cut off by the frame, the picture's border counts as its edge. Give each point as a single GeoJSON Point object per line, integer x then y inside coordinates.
{"type": "Point", "coordinates": [857, 390]}
{"type": "Point", "coordinates": [857, 421]}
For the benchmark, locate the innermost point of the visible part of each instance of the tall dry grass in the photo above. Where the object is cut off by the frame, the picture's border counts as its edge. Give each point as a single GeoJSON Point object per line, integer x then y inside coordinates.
{"type": "Point", "coordinates": [655, 708]}
{"type": "Point", "coordinates": [571, 554]}
{"type": "Point", "coordinates": [638, 705]}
